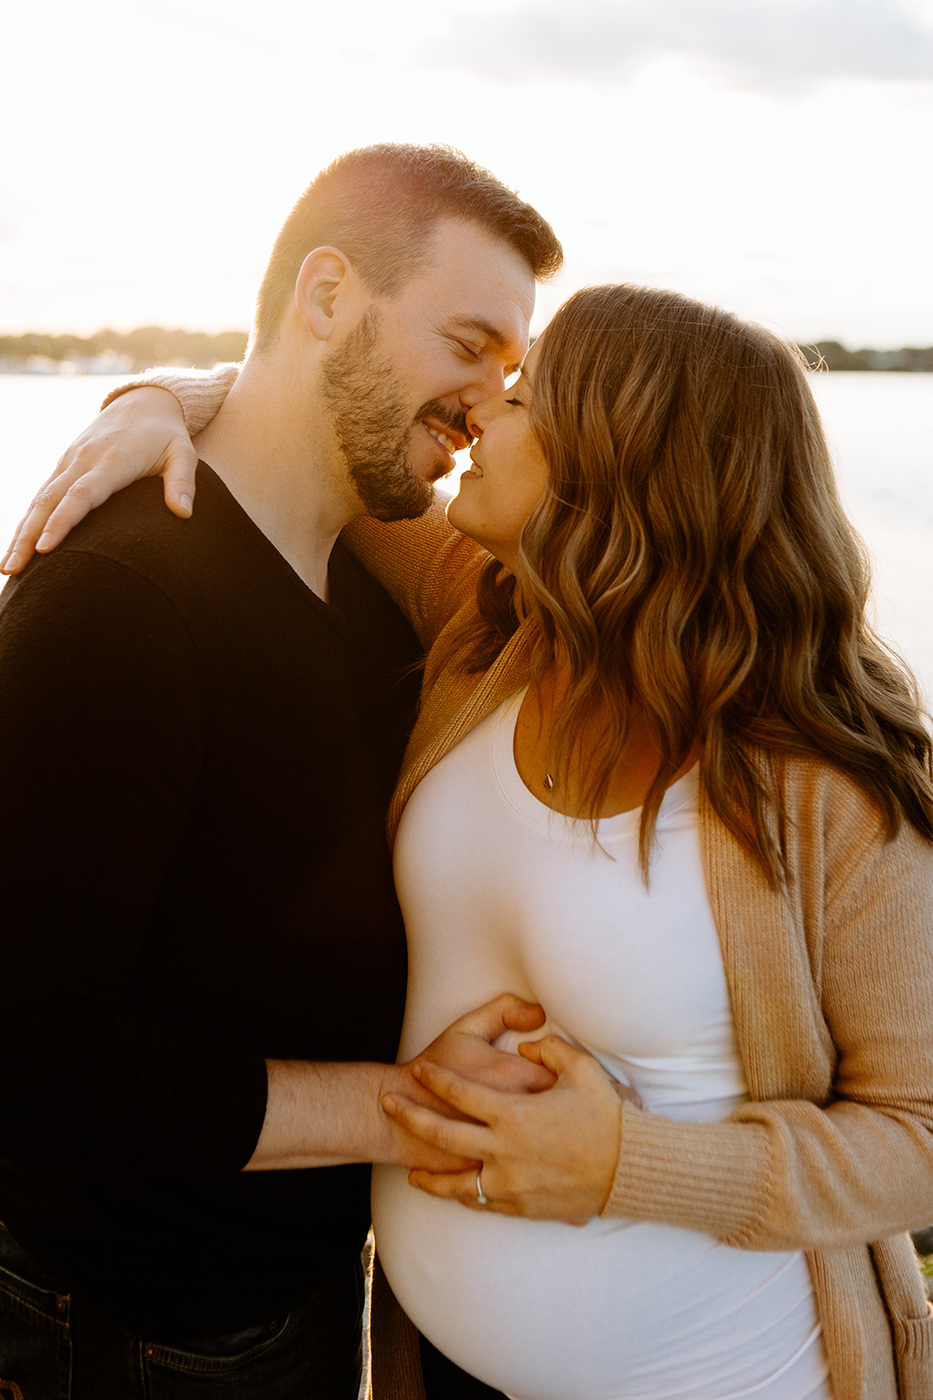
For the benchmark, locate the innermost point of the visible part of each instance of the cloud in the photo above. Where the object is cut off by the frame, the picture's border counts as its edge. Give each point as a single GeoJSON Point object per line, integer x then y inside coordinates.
{"type": "Point", "coordinates": [778, 46]}
{"type": "Point", "coordinates": [216, 28]}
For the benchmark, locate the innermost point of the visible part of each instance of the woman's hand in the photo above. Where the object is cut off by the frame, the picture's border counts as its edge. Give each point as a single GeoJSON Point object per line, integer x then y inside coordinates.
{"type": "Point", "coordinates": [142, 433]}
{"type": "Point", "coordinates": [549, 1156]}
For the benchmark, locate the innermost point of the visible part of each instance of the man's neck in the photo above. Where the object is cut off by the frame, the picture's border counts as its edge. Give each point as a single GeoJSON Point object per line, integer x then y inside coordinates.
{"type": "Point", "coordinates": [264, 446]}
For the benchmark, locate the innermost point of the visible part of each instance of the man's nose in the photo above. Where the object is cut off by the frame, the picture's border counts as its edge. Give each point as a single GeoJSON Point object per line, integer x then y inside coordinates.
{"type": "Point", "coordinates": [488, 386]}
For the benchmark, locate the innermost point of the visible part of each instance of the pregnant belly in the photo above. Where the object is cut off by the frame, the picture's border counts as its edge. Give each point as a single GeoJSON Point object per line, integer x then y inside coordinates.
{"type": "Point", "coordinates": [544, 1311]}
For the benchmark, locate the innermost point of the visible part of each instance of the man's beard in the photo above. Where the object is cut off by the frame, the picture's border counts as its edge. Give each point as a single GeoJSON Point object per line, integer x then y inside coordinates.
{"type": "Point", "coordinates": [373, 427]}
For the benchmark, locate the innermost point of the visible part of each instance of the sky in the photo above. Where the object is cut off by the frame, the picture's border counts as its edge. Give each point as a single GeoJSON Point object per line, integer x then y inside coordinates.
{"type": "Point", "coordinates": [770, 155]}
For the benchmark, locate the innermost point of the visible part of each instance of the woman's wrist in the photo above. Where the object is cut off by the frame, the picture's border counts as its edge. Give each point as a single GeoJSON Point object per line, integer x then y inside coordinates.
{"type": "Point", "coordinates": [198, 395]}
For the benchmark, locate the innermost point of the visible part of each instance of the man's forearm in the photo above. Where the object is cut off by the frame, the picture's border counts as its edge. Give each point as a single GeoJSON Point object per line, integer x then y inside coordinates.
{"type": "Point", "coordinates": [325, 1115]}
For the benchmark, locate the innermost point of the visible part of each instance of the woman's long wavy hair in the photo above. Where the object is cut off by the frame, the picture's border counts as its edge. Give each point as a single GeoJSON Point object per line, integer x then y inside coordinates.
{"type": "Point", "coordinates": [690, 557]}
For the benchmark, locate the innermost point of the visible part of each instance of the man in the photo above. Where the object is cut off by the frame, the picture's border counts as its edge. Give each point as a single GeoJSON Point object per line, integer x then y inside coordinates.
{"type": "Point", "coordinates": [200, 724]}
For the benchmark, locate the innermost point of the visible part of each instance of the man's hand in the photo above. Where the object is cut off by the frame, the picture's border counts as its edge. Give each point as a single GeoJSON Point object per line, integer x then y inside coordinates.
{"type": "Point", "coordinates": [323, 1115]}
{"type": "Point", "coordinates": [466, 1048]}
{"type": "Point", "coordinates": [140, 434]}
{"type": "Point", "coordinates": [549, 1156]}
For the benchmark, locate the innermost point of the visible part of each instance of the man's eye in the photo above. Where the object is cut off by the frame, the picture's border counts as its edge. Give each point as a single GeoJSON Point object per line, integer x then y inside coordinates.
{"type": "Point", "coordinates": [467, 350]}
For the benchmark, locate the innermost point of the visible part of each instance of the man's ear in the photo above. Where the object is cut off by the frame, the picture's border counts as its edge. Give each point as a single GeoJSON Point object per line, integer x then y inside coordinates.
{"type": "Point", "coordinates": [324, 283]}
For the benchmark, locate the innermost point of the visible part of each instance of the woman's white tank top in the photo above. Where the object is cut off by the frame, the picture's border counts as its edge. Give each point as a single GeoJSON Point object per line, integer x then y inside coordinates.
{"type": "Point", "coordinates": [501, 894]}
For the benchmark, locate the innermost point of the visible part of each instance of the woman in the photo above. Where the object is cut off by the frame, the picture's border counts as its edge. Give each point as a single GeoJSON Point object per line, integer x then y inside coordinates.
{"type": "Point", "coordinates": [683, 799]}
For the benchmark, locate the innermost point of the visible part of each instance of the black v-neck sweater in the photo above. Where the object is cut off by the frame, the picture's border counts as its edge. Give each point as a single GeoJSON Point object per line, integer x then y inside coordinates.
{"type": "Point", "coordinates": [196, 754]}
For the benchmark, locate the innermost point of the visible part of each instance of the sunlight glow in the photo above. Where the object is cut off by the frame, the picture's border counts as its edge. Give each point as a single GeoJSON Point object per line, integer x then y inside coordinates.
{"type": "Point", "coordinates": [162, 144]}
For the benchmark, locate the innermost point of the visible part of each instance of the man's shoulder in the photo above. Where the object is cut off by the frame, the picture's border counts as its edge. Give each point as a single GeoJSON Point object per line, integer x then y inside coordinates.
{"type": "Point", "coordinates": [214, 559]}
{"type": "Point", "coordinates": [135, 527]}
{"type": "Point", "coordinates": [133, 559]}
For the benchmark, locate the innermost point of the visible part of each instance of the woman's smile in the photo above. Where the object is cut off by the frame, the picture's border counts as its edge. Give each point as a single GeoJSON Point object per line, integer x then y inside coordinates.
{"type": "Point", "coordinates": [508, 457]}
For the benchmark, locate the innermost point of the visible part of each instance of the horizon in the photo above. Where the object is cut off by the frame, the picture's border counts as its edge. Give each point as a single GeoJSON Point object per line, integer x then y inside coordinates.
{"type": "Point", "coordinates": [227, 330]}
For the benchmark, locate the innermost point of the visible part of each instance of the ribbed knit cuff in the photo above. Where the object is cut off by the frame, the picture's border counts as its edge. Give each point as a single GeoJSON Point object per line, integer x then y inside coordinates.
{"type": "Point", "coordinates": [711, 1177]}
{"type": "Point", "coordinates": [200, 395]}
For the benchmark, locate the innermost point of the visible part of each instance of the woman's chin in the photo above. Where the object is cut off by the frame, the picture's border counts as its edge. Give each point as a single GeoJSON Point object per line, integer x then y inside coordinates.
{"type": "Point", "coordinates": [459, 517]}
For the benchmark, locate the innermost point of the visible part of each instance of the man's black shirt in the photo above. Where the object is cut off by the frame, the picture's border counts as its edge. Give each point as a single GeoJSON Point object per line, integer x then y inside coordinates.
{"type": "Point", "coordinates": [196, 754]}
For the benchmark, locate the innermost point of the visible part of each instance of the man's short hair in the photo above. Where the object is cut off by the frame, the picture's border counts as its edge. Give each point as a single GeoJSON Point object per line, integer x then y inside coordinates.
{"type": "Point", "coordinates": [378, 205]}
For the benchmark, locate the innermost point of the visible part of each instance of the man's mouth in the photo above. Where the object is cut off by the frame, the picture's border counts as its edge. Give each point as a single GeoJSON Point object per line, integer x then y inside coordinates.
{"type": "Point", "coordinates": [449, 438]}
{"type": "Point", "coordinates": [443, 439]}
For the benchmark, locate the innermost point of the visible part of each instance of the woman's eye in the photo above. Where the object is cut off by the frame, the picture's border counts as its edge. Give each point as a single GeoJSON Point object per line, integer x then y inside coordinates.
{"type": "Point", "coordinates": [516, 403]}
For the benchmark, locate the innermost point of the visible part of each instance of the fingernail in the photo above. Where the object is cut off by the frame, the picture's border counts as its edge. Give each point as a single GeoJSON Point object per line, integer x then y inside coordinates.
{"type": "Point", "coordinates": [388, 1104]}
{"type": "Point", "coordinates": [45, 541]}
{"type": "Point", "coordinates": [185, 503]}
{"type": "Point", "coordinates": [6, 560]}
{"type": "Point", "coordinates": [417, 1071]}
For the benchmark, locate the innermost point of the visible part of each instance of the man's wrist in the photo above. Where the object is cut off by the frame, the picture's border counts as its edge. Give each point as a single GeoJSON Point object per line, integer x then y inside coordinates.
{"type": "Point", "coordinates": [327, 1115]}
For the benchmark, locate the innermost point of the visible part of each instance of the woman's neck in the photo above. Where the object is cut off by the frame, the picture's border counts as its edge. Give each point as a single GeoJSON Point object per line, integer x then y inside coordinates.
{"type": "Point", "coordinates": [564, 786]}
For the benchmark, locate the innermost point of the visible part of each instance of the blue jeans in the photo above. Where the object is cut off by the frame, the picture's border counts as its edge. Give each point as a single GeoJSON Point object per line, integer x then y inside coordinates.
{"type": "Point", "coordinates": [54, 1347]}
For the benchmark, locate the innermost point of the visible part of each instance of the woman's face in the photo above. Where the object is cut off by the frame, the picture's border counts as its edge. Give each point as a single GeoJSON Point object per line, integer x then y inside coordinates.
{"type": "Point", "coordinates": [509, 472]}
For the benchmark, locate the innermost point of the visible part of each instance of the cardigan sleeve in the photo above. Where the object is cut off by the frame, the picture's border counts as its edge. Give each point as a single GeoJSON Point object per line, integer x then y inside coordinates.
{"type": "Point", "coordinates": [797, 1173]}
{"type": "Point", "coordinates": [426, 566]}
{"type": "Point", "coordinates": [200, 395]}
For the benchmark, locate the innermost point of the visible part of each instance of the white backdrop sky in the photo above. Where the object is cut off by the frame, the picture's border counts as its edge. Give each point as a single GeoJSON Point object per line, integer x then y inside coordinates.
{"type": "Point", "coordinates": [771, 155]}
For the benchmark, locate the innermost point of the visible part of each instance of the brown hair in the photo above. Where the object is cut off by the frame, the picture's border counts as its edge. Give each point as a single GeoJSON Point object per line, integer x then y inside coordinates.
{"type": "Point", "coordinates": [692, 557]}
{"type": "Point", "coordinates": [378, 205]}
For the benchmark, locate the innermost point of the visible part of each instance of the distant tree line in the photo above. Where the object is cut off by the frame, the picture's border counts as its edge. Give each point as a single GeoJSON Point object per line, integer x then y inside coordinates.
{"type": "Point", "coordinates": [138, 350]}
{"type": "Point", "coordinates": [832, 355]}
{"type": "Point", "coordinates": [132, 351]}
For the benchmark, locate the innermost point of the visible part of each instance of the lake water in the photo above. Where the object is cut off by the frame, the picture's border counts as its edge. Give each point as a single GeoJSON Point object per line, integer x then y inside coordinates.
{"type": "Point", "coordinates": [880, 428]}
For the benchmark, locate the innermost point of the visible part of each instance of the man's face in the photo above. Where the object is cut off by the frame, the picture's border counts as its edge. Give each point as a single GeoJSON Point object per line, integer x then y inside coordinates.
{"type": "Point", "coordinates": [399, 385]}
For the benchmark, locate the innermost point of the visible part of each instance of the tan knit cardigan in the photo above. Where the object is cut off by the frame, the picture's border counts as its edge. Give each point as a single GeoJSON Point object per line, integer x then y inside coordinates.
{"type": "Point", "coordinates": [831, 985]}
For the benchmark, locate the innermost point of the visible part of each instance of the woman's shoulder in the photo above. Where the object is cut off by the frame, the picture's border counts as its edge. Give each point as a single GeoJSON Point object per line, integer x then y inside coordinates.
{"type": "Point", "coordinates": [829, 827]}
{"type": "Point", "coordinates": [809, 784]}
{"type": "Point", "coordinates": [832, 821]}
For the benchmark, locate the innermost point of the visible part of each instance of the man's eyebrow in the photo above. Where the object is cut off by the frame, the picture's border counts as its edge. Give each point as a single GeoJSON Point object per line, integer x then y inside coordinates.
{"type": "Point", "coordinates": [482, 327]}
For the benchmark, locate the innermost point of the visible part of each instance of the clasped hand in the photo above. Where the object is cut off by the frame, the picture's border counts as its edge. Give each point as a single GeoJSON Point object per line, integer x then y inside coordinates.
{"type": "Point", "coordinates": [545, 1128]}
